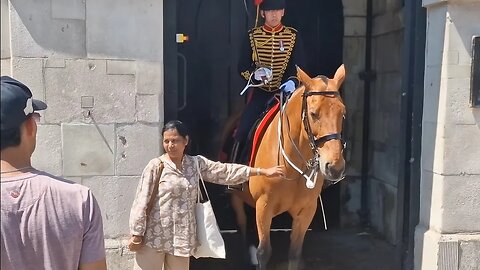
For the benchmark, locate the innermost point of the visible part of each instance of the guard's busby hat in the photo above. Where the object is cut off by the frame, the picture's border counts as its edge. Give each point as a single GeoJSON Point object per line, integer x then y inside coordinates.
{"type": "Point", "coordinates": [272, 4]}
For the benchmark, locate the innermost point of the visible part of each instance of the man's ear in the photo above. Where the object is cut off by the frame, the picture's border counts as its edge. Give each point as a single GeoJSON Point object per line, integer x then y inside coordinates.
{"type": "Point", "coordinates": [29, 128]}
{"type": "Point", "coordinates": [188, 140]}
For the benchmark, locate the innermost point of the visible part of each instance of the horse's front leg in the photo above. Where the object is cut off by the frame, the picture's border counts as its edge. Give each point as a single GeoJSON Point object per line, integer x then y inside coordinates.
{"type": "Point", "coordinates": [300, 223]}
{"type": "Point", "coordinates": [264, 221]}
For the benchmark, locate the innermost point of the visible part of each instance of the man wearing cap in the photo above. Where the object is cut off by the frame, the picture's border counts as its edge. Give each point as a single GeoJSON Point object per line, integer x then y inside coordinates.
{"type": "Point", "coordinates": [271, 45]}
{"type": "Point", "coordinates": [46, 222]}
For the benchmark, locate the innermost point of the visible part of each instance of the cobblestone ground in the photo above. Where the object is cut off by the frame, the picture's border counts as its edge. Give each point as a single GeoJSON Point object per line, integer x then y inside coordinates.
{"type": "Point", "coordinates": [331, 250]}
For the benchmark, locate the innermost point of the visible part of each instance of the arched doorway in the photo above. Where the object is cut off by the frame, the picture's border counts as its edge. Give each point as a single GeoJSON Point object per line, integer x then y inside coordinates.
{"type": "Point", "coordinates": [208, 84]}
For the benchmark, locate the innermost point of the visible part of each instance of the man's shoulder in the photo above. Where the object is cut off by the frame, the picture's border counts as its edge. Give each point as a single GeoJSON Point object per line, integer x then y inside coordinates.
{"type": "Point", "coordinates": [61, 184]}
{"type": "Point", "coordinates": [290, 29]}
{"type": "Point", "coordinates": [257, 29]}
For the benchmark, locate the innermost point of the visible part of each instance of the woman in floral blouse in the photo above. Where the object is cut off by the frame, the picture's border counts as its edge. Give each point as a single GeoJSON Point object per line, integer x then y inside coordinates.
{"type": "Point", "coordinates": [168, 236]}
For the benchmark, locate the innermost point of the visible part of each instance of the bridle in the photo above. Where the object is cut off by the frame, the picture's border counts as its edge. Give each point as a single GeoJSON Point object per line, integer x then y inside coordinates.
{"type": "Point", "coordinates": [313, 164]}
{"type": "Point", "coordinates": [314, 143]}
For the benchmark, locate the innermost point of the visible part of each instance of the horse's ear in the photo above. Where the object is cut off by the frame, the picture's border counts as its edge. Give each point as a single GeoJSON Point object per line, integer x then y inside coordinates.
{"type": "Point", "coordinates": [340, 75]}
{"type": "Point", "coordinates": [302, 76]}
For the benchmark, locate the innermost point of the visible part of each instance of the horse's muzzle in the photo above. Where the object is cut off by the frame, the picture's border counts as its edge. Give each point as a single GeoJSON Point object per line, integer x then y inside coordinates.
{"type": "Point", "coordinates": [334, 172]}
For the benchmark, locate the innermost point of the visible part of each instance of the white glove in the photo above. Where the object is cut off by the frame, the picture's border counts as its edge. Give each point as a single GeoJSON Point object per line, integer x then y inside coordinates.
{"type": "Point", "coordinates": [263, 75]}
{"type": "Point", "coordinates": [288, 87]}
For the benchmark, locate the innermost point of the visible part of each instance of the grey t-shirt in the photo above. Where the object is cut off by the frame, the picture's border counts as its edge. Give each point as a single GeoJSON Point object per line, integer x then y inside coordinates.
{"type": "Point", "coordinates": [48, 223]}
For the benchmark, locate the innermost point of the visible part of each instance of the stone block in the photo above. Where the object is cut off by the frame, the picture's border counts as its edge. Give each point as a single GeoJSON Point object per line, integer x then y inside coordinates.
{"type": "Point", "coordinates": [426, 248]}
{"type": "Point", "coordinates": [460, 204]}
{"type": "Point", "coordinates": [354, 7]}
{"type": "Point", "coordinates": [48, 152]}
{"type": "Point", "coordinates": [5, 31]}
{"type": "Point", "coordinates": [88, 149]}
{"type": "Point", "coordinates": [389, 51]}
{"type": "Point", "coordinates": [461, 150]}
{"type": "Point", "coordinates": [383, 209]}
{"type": "Point", "coordinates": [118, 255]}
{"type": "Point", "coordinates": [434, 250]}
{"type": "Point", "coordinates": [379, 7]}
{"type": "Point", "coordinates": [462, 25]}
{"type": "Point", "coordinates": [433, 207]}
{"type": "Point", "coordinates": [452, 57]}
{"type": "Point", "coordinates": [431, 104]}
{"type": "Point", "coordinates": [136, 146]}
{"type": "Point", "coordinates": [468, 254]}
{"type": "Point", "coordinates": [384, 166]}
{"type": "Point", "coordinates": [354, 26]}
{"type": "Point", "coordinates": [351, 189]}
{"type": "Point", "coordinates": [6, 67]}
{"type": "Point", "coordinates": [120, 67]}
{"type": "Point", "coordinates": [30, 72]}
{"type": "Point", "coordinates": [353, 56]}
{"type": "Point", "coordinates": [114, 95]}
{"type": "Point", "coordinates": [426, 184]}
{"type": "Point", "coordinates": [435, 36]}
{"type": "Point", "coordinates": [119, 37]}
{"type": "Point", "coordinates": [457, 71]}
{"type": "Point", "coordinates": [68, 9]}
{"type": "Point", "coordinates": [388, 22]}
{"type": "Point", "coordinates": [149, 77]}
{"type": "Point", "coordinates": [115, 196]}
{"type": "Point", "coordinates": [433, 143]}
{"type": "Point", "coordinates": [55, 63]}
{"type": "Point", "coordinates": [148, 108]}
{"type": "Point", "coordinates": [35, 34]}
{"type": "Point", "coordinates": [457, 108]}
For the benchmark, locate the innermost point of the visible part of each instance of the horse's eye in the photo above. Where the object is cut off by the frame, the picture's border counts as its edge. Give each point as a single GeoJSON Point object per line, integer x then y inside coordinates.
{"type": "Point", "coordinates": [314, 116]}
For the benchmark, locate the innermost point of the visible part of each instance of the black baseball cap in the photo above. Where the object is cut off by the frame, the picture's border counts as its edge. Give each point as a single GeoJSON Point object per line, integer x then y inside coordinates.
{"type": "Point", "coordinates": [272, 4]}
{"type": "Point", "coordinates": [17, 103]}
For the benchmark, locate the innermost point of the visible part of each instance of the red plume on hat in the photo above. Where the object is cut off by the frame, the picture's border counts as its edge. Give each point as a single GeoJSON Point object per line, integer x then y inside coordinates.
{"type": "Point", "coordinates": [258, 2]}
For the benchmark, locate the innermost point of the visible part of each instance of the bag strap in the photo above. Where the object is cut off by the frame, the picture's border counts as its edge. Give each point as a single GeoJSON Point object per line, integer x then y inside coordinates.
{"type": "Point", "coordinates": [155, 188]}
{"type": "Point", "coordinates": [200, 180]}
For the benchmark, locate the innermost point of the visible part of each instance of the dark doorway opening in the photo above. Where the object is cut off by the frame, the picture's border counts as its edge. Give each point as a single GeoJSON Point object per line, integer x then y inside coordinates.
{"type": "Point", "coordinates": [202, 84]}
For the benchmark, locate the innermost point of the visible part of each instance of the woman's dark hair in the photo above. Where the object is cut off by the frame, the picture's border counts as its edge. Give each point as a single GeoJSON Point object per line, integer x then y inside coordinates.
{"type": "Point", "coordinates": [178, 125]}
{"type": "Point", "coordinates": [10, 138]}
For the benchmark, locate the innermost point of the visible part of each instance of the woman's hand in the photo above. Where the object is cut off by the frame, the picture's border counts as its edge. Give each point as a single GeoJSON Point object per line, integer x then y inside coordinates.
{"type": "Point", "coordinates": [135, 242]}
{"type": "Point", "coordinates": [276, 171]}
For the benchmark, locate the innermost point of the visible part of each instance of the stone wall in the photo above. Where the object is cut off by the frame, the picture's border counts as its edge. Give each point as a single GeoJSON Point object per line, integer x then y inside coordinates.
{"type": "Point", "coordinates": [384, 113]}
{"type": "Point", "coordinates": [353, 91]}
{"type": "Point", "coordinates": [448, 234]}
{"type": "Point", "coordinates": [70, 52]}
{"type": "Point", "coordinates": [99, 67]}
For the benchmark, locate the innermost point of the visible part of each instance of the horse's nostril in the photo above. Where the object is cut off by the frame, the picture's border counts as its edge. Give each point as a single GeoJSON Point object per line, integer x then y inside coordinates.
{"type": "Point", "coordinates": [327, 167]}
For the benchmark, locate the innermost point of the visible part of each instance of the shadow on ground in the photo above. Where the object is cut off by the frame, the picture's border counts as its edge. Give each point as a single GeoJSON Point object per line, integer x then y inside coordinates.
{"type": "Point", "coordinates": [330, 250]}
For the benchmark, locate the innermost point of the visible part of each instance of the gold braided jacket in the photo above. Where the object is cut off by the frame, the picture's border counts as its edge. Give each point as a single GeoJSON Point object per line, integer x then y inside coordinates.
{"type": "Point", "coordinates": [272, 48]}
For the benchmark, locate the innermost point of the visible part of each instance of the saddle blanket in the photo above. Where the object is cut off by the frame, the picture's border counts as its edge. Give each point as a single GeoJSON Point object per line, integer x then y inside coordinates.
{"type": "Point", "coordinates": [260, 131]}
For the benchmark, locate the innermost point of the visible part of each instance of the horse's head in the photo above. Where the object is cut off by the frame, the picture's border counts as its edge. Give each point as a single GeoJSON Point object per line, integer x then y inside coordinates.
{"type": "Point", "coordinates": [323, 112]}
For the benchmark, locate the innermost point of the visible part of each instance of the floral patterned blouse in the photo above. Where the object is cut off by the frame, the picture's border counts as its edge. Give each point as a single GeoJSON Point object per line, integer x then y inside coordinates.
{"type": "Point", "coordinates": [171, 226]}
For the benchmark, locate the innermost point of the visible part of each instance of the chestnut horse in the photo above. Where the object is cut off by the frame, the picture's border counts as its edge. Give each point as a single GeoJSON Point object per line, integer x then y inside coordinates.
{"type": "Point", "coordinates": [305, 136]}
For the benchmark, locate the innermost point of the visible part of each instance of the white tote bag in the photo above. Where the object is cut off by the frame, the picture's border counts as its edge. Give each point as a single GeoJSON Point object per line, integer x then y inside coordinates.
{"type": "Point", "coordinates": [208, 234]}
